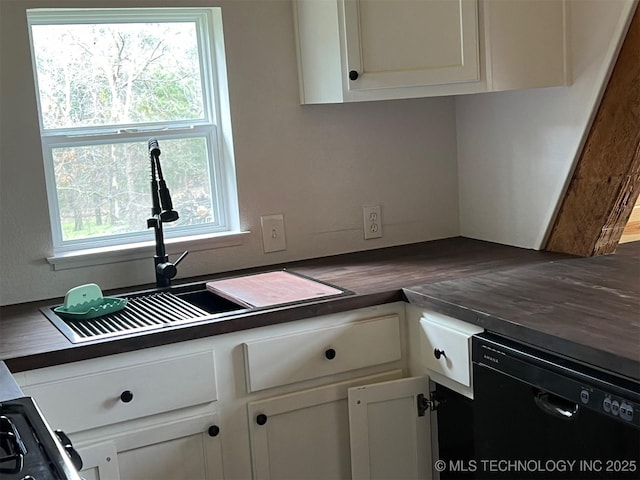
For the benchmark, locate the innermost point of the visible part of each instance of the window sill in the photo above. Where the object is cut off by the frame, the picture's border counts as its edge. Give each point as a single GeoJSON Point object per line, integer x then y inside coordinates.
{"type": "Point", "coordinates": [136, 251]}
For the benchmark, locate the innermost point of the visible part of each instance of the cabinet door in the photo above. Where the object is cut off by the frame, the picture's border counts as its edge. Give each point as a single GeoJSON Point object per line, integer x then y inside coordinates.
{"type": "Point", "coordinates": [305, 434]}
{"type": "Point", "coordinates": [176, 458]}
{"type": "Point", "coordinates": [403, 43]}
{"type": "Point", "coordinates": [181, 448]}
{"type": "Point", "coordinates": [527, 44]}
{"type": "Point", "coordinates": [390, 438]}
{"type": "Point", "coordinates": [99, 462]}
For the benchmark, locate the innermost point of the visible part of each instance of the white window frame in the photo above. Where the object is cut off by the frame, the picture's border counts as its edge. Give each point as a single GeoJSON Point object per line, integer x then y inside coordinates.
{"type": "Point", "coordinates": [215, 127]}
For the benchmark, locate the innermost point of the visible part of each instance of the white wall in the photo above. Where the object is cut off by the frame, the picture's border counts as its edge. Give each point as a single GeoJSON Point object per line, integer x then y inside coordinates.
{"type": "Point", "coordinates": [517, 149]}
{"type": "Point", "coordinates": [316, 164]}
{"type": "Point", "coordinates": [319, 164]}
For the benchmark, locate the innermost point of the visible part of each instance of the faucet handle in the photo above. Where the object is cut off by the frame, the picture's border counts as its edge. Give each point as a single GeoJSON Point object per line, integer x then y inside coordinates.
{"type": "Point", "coordinates": [181, 257]}
{"type": "Point", "coordinates": [168, 270]}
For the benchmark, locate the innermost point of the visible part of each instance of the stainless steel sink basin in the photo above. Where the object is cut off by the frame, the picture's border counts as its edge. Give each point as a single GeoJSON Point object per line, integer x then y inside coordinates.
{"type": "Point", "coordinates": [148, 310]}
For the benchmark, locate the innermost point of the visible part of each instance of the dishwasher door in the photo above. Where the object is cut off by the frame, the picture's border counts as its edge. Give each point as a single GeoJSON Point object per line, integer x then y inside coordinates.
{"type": "Point", "coordinates": [541, 416]}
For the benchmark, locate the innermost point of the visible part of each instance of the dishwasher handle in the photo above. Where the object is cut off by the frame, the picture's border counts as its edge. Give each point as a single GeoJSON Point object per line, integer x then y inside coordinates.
{"type": "Point", "coordinates": [555, 406]}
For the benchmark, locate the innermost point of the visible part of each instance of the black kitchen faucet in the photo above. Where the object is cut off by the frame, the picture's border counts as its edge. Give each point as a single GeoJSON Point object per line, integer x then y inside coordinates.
{"type": "Point", "coordinates": [161, 211]}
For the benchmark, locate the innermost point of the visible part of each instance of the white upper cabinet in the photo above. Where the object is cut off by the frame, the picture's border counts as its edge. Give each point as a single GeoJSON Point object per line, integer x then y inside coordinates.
{"type": "Point", "coordinates": [527, 44]}
{"type": "Point", "coordinates": [359, 50]}
{"type": "Point", "coordinates": [404, 43]}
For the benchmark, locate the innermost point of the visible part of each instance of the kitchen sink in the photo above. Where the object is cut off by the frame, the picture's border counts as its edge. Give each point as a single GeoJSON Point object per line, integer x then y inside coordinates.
{"type": "Point", "coordinates": [145, 311]}
{"type": "Point", "coordinates": [182, 304]}
{"type": "Point", "coordinates": [209, 302]}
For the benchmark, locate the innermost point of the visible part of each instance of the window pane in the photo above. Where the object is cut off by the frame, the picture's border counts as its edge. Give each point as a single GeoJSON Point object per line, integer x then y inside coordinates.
{"type": "Point", "coordinates": [105, 189]}
{"type": "Point", "coordinates": [117, 74]}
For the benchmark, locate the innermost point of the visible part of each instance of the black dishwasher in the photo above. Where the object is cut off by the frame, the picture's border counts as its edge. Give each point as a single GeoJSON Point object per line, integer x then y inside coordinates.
{"type": "Point", "coordinates": [536, 415]}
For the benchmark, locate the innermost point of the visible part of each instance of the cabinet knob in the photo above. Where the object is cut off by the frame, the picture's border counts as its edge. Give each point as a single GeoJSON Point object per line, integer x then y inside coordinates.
{"type": "Point", "coordinates": [68, 447]}
{"type": "Point", "coordinates": [261, 419]}
{"type": "Point", "coordinates": [330, 353]}
{"type": "Point", "coordinates": [126, 396]}
{"type": "Point", "coordinates": [353, 75]}
{"type": "Point", "coordinates": [213, 430]}
{"type": "Point", "coordinates": [439, 353]}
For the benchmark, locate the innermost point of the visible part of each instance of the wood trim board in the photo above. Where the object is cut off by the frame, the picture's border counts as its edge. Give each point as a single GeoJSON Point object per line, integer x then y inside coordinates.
{"type": "Point", "coordinates": [606, 181]}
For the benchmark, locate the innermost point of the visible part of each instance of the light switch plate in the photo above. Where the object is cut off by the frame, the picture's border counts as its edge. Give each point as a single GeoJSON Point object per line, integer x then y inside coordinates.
{"type": "Point", "coordinates": [273, 236]}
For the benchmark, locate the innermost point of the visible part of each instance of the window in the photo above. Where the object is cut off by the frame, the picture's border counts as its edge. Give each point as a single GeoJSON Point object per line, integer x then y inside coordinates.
{"type": "Point", "coordinates": [108, 80]}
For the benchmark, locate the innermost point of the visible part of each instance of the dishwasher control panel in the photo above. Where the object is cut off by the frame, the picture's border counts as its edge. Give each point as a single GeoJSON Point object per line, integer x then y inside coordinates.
{"type": "Point", "coordinates": [619, 407]}
{"type": "Point", "coordinates": [610, 404]}
{"type": "Point", "coordinates": [574, 382]}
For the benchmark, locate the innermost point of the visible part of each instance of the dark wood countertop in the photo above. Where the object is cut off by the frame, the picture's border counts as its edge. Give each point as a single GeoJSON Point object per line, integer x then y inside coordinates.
{"type": "Point", "coordinates": [28, 340]}
{"type": "Point", "coordinates": [587, 309]}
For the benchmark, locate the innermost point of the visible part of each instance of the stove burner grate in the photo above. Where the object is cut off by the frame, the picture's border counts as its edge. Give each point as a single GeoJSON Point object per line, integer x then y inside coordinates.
{"type": "Point", "coordinates": [12, 449]}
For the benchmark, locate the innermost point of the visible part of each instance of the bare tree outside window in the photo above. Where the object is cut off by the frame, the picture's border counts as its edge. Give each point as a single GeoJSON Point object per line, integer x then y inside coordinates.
{"type": "Point", "coordinates": [104, 89]}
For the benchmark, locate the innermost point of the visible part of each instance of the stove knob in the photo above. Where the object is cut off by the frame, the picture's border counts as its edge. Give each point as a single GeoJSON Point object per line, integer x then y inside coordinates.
{"type": "Point", "coordinates": [615, 407]}
{"type": "Point", "coordinates": [75, 457]}
{"type": "Point", "coordinates": [63, 437]}
{"type": "Point", "coordinates": [606, 404]}
{"type": "Point", "coordinates": [68, 447]}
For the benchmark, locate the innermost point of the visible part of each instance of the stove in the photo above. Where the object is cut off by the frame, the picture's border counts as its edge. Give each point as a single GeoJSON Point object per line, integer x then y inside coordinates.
{"type": "Point", "coordinates": [29, 449]}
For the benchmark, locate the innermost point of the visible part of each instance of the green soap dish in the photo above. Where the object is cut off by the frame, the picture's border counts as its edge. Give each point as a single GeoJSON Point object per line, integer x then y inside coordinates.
{"type": "Point", "coordinates": [86, 302]}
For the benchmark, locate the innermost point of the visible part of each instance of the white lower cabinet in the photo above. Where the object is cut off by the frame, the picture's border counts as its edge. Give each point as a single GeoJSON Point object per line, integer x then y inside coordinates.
{"type": "Point", "coordinates": [183, 449]}
{"type": "Point", "coordinates": [100, 392]}
{"type": "Point", "coordinates": [149, 414]}
{"type": "Point", "coordinates": [177, 449]}
{"type": "Point", "coordinates": [99, 461]}
{"type": "Point", "coordinates": [391, 423]}
{"type": "Point", "coordinates": [390, 430]}
{"type": "Point", "coordinates": [305, 435]}
{"type": "Point", "coordinates": [322, 398]}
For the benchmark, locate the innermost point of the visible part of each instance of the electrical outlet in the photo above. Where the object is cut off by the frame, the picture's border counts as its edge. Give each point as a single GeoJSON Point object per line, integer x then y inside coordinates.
{"type": "Point", "coordinates": [273, 237]}
{"type": "Point", "coordinates": [372, 221]}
